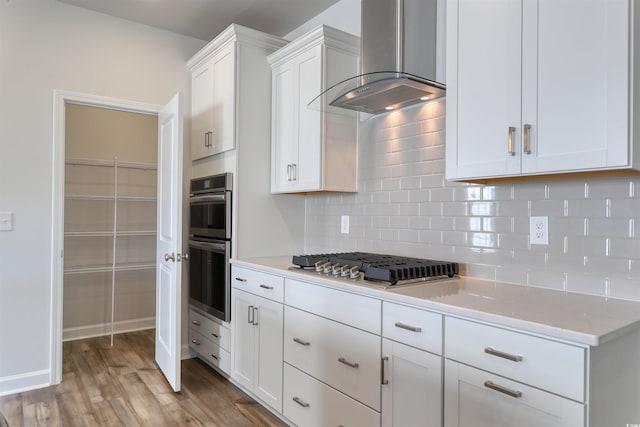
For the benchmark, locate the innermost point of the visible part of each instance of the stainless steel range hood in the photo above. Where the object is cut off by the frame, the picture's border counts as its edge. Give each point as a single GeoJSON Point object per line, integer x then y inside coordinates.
{"type": "Point", "coordinates": [398, 59]}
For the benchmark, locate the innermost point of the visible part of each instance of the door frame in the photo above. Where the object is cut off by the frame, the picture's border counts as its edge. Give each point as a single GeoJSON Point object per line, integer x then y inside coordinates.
{"type": "Point", "coordinates": [60, 100]}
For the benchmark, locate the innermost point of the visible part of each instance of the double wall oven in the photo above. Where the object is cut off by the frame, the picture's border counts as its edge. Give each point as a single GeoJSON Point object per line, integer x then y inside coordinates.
{"type": "Point", "coordinates": [210, 245]}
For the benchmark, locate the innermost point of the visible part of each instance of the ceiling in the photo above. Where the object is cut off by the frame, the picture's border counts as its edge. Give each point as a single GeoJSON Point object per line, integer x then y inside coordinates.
{"type": "Point", "coordinates": [205, 19]}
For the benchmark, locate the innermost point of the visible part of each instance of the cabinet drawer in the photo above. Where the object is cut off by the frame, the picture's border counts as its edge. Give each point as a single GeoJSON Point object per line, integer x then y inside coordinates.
{"type": "Point", "coordinates": [478, 398]}
{"type": "Point", "coordinates": [355, 310]}
{"type": "Point", "coordinates": [550, 365]}
{"type": "Point", "coordinates": [258, 283]}
{"type": "Point", "coordinates": [210, 351]}
{"type": "Point", "coordinates": [412, 326]}
{"type": "Point", "coordinates": [346, 358]}
{"type": "Point", "coordinates": [211, 329]}
{"type": "Point", "coordinates": [310, 403]}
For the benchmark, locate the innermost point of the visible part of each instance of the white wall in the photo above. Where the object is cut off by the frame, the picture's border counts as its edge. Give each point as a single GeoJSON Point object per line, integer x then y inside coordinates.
{"type": "Point", "coordinates": [47, 45]}
{"type": "Point", "coordinates": [344, 15]}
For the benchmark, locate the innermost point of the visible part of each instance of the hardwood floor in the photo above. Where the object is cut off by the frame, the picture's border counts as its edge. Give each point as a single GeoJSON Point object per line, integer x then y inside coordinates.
{"type": "Point", "coordinates": [122, 386]}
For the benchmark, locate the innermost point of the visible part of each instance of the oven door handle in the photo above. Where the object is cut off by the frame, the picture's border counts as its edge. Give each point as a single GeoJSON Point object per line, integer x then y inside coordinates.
{"type": "Point", "coordinates": [207, 245]}
{"type": "Point", "coordinates": [208, 198]}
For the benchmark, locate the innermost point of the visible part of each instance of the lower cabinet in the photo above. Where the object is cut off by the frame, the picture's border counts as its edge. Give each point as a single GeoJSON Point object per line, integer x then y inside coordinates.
{"type": "Point", "coordinates": [411, 386]}
{"type": "Point", "coordinates": [311, 403]}
{"type": "Point", "coordinates": [257, 355]}
{"type": "Point", "coordinates": [475, 398]}
{"type": "Point", "coordinates": [210, 340]}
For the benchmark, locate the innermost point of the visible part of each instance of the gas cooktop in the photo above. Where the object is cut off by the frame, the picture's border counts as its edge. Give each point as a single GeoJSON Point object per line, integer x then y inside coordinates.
{"type": "Point", "coordinates": [389, 270]}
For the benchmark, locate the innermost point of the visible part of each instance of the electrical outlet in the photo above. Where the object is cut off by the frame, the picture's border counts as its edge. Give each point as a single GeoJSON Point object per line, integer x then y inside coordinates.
{"type": "Point", "coordinates": [539, 230]}
{"type": "Point", "coordinates": [344, 224]}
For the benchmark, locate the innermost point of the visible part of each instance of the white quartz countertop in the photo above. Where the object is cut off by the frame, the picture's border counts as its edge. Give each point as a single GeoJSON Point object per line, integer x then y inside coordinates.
{"type": "Point", "coordinates": [582, 319]}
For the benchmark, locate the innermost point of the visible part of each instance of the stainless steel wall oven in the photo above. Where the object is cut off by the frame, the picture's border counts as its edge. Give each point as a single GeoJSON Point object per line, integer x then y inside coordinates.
{"type": "Point", "coordinates": [210, 245]}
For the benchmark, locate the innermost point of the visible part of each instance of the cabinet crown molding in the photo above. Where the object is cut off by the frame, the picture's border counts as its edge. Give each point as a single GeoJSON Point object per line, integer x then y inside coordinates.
{"type": "Point", "coordinates": [322, 34]}
{"type": "Point", "coordinates": [240, 34]}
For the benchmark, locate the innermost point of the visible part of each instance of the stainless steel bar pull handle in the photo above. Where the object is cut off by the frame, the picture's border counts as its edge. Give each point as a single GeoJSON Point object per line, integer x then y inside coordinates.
{"type": "Point", "coordinates": [289, 172]}
{"type": "Point", "coordinates": [512, 135]}
{"type": "Point", "coordinates": [408, 327]}
{"type": "Point", "coordinates": [215, 335]}
{"type": "Point", "coordinates": [504, 390]}
{"type": "Point", "coordinates": [527, 139]}
{"type": "Point", "coordinates": [240, 279]}
{"type": "Point", "coordinates": [249, 314]}
{"type": "Point", "coordinates": [346, 362]}
{"type": "Point", "coordinates": [214, 356]}
{"type": "Point", "coordinates": [196, 342]}
{"type": "Point", "coordinates": [302, 342]}
{"type": "Point", "coordinates": [384, 380]}
{"type": "Point", "coordinates": [294, 167]}
{"type": "Point", "coordinates": [266, 287]}
{"type": "Point", "coordinates": [301, 402]}
{"type": "Point", "coordinates": [255, 316]}
{"type": "Point", "coordinates": [498, 353]}
{"type": "Point", "coordinates": [195, 322]}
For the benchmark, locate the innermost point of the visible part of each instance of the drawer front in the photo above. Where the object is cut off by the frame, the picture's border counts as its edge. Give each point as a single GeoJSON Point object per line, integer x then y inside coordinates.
{"type": "Point", "coordinates": [210, 351]}
{"type": "Point", "coordinates": [478, 398]}
{"type": "Point", "coordinates": [355, 310]}
{"type": "Point", "coordinates": [412, 326]}
{"type": "Point", "coordinates": [211, 329]}
{"type": "Point", "coordinates": [346, 358]}
{"type": "Point", "coordinates": [310, 403]}
{"type": "Point", "coordinates": [262, 284]}
{"type": "Point", "coordinates": [549, 365]}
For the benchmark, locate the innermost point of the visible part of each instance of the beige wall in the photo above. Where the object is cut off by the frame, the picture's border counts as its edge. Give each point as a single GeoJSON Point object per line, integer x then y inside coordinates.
{"type": "Point", "coordinates": [100, 133]}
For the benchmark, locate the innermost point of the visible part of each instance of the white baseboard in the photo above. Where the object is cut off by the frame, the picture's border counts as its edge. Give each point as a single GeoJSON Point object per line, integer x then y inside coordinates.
{"type": "Point", "coordinates": [24, 382]}
{"type": "Point", "coordinates": [90, 331]}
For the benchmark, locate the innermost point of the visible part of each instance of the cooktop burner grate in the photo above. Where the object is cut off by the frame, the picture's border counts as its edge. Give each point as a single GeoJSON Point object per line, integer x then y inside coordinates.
{"type": "Point", "coordinates": [386, 268]}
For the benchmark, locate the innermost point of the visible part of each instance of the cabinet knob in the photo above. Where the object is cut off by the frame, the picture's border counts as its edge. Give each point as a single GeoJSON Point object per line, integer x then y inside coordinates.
{"type": "Point", "coordinates": [195, 342]}
{"type": "Point", "coordinates": [195, 322]}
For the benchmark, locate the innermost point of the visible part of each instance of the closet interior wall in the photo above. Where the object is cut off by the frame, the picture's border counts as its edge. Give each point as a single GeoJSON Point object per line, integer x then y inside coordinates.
{"type": "Point", "coordinates": [109, 221]}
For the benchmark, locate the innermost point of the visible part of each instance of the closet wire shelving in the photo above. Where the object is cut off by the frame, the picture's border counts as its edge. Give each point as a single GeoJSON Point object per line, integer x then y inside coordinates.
{"type": "Point", "coordinates": [114, 233]}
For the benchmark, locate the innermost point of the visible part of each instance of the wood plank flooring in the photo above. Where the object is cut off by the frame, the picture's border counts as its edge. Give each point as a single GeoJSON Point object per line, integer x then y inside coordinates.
{"type": "Point", "coordinates": [122, 386]}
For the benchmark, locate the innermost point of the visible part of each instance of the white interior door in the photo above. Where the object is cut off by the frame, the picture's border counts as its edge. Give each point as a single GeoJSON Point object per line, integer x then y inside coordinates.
{"type": "Point", "coordinates": [169, 241]}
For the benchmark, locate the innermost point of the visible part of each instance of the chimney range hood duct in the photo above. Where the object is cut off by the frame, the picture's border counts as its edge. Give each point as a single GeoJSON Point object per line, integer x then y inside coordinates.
{"type": "Point", "coordinates": [397, 56]}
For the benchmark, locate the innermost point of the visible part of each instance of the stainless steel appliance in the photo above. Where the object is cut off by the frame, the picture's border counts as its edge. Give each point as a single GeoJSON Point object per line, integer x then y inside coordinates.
{"type": "Point", "coordinates": [376, 270]}
{"type": "Point", "coordinates": [210, 245]}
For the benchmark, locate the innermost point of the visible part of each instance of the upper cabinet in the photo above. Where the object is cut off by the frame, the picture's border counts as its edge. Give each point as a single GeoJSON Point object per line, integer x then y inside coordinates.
{"type": "Point", "coordinates": [538, 87]}
{"type": "Point", "coordinates": [312, 150]}
{"type": "Point", "coordinates": [217, 73]}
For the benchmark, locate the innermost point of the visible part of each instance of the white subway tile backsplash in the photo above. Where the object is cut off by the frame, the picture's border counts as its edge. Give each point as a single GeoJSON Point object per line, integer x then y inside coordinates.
{"type": "Point", "coordinates": [405, 206]}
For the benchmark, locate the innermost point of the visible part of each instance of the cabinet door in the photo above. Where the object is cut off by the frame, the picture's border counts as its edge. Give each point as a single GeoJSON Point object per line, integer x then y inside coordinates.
{"type": "Point", "coordinates": [284, 132]}
{"type": "Point", "coordinates": [576, 84]}
{"type": "Point", "coordinates": [412, 386]}
{"type": "Point", "coordinates": [483, 88]}
{"type": "Point", "coordinates": [201, 110]}
{"type": "Point", "coordinates": [268, 378]}
{"type": "Point", "coordinates": [243, 338]}
{"type": "Point", "coordinates": [470, 402]}
{"type": "Point", "coordinates": [307, 169]}
{"type": "Point", "coordinates": [223, 64]}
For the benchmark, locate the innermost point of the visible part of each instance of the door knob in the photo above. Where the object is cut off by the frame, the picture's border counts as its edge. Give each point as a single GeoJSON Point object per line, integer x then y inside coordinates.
{"type": "Point", "coordinates": [171, 257]}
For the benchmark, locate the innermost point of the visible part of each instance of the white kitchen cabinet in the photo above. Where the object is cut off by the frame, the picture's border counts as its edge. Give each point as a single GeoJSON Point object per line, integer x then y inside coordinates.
{"type": "Point", "coordinates": [339, 355]}
{"type": "Point", "coordinates": [213, 103]}
{"type": "Point", "coordinates": [312, 149]}
{"type": "Point", "coordinates": [475, 398]}
{"type": "Point", "coordinates": [210, 339]}
{"type": "Point", "coordinates": [311, 403]}
{"type": "Point", "coordinates": [544, 89]}
{"type": "Point", "coordinates": [257, 343]}
{"type": "Point", "coordinates": [411, 376]}
{"type": "Point", "coordinates": [499, 377]}
{"type": "Point", "coordinates": [411, 386]}
{"type": "Point", "coordinates": [218, 73]}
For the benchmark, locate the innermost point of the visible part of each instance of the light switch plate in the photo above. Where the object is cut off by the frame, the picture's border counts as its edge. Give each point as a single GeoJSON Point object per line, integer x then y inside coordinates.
{"type": "Point", "coordinates": [344, 224]}
{"type": "Point", "coordinates": [6, 221]}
